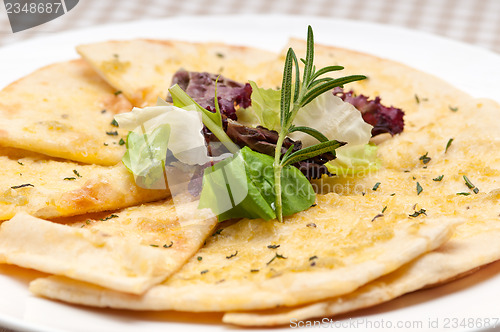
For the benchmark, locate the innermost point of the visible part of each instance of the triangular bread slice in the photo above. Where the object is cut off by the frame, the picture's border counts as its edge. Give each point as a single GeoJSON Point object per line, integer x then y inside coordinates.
{"type": "Point", "coordinates": [142, 68]}
{"type": "Point", "coordinates": [129, 250]}
{"type": "Point", "coordinates": [64, 110]}
{"type": "Point", "coordinates": [49, 187]}
{"type": "Point", "coordinates": [465, 252]}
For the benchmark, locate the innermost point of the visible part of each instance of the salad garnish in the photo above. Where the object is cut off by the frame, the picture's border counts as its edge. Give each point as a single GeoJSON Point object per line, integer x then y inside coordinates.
{"type": "Point", "coordinates": [383, 119]}
{"type": "Point", "coordinates": [251, 152]}
{"type": "Point", "coordinates": [304, 92]}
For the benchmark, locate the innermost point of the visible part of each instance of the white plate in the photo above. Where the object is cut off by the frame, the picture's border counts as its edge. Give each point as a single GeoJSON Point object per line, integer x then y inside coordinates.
{"type": "Point", "coordinates": [468, 302]}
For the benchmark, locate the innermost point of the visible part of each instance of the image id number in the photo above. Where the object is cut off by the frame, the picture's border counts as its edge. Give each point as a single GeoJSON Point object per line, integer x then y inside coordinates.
{"type": "Point", "coordinates": [33, 8]}
{"type": "Point", "coordinates": [472, 323]}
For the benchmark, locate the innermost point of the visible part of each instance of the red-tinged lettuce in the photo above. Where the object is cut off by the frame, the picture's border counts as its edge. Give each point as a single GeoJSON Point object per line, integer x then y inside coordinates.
{"type": "Point", "coordinates": [383, 119]}
{"type": "Point", "coordinates": [201, 88]}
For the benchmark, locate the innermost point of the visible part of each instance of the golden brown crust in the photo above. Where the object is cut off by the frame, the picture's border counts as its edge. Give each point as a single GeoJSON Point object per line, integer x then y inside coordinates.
{"type": "Point", "coordinates": [58, 111]}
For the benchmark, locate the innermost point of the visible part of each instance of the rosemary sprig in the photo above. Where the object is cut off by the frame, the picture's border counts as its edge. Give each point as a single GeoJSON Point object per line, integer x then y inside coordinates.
{"type": "Point", "coordinates": [303, 93]}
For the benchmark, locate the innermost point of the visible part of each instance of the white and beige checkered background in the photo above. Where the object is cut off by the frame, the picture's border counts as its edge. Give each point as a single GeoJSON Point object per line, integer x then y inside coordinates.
{"type": "Point", "coordinates": [472, 21]}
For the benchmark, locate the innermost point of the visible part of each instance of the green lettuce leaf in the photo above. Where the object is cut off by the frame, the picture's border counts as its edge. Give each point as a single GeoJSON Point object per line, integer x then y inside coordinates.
{"type": "Point", "coordinates": [155, 129]}
{"type": "Point", "coordinates": [145, 156]}
{"type": "Point", "coordinates": [266, 106]}
{"type": "Point", "coordinates": [334, 118]}
{"type": "Point", "coordinates": [330, 115]}
{"type": "Point", "coordinates": [354, 160]}
{"type": "Point", "coordinates": [243, 187]}
{"type": "Point", "coordinates": [186, 143]}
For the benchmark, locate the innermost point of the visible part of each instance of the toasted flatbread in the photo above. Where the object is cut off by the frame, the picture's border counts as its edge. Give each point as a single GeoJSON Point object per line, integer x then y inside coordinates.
{"type": "Point", "coordinates": [467, 250]}
{"type": "Point", "coordinates": [333, 248]}
{"type": "Point", "coordinates": [142, 69]}
{"type": "Point", "coordinates": [365, 231]}
{"type": "Point", "coordinates": [49, 187]}
{"type": "Point", "coordinates": [129, 250]}
{"type": "Point", "coordinates": [63, 110]}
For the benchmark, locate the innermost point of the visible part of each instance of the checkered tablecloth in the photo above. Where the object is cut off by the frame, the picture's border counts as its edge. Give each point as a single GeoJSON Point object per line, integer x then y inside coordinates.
{"type": "Point", "coordinates": [472, 21]}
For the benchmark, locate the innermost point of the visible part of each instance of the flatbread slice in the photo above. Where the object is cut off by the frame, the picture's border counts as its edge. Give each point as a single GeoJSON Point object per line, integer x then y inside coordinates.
{"type": "Point", "coordinates": [129, 250]}
{"type": "Point", "coordinates": [333, 248]}
{"type": "Point", "coordinates": [49, 187]}
{"type": "Point", "coordinates": [142, 69]}
{"type": "Point", "coordinates": [64, 110]}
{"type": "Point", "coordinates": [467, 250]}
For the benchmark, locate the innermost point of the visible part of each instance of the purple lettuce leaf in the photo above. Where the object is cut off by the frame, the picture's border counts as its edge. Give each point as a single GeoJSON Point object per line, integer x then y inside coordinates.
{"type": "Point", "coordinates": [383, 119]}
{"type": "Point", "coordinates": [201, 87]}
